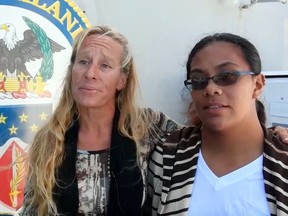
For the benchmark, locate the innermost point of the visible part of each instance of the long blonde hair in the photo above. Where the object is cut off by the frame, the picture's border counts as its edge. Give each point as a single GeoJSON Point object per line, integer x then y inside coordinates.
{"type": "Point", "coordinates": [47, 150]}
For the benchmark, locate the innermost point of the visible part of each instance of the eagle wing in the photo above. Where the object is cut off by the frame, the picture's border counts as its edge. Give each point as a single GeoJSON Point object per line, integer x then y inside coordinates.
{"type": "Point", "coordinates": [55, 46]}
{"type": "Point", "coordinates": [29, 47]}
{"type": "Point", "coordinates": [3, 58]}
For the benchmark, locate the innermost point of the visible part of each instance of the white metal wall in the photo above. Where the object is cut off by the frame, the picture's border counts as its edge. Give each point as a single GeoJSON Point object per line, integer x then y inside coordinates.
{"type": "Point", "coordinates": [275, 98]}
{"type": "Point", "coordinates": [162, 33]}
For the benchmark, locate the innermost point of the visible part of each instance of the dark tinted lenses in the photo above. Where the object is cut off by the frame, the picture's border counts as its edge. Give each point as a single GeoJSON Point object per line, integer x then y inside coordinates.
{"type": "Point", "coordinates": [226, 78]}
{"type": "Point", "coordinates": [199, 81]}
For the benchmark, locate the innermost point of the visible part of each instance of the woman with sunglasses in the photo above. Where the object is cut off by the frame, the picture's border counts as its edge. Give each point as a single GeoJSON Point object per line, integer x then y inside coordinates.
{"type": "Point", "coordinates": [231, 164]}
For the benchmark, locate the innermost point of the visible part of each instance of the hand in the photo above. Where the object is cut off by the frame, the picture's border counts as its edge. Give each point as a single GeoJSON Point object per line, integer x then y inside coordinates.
{"type": "Point", "coordinates": [282, 133]}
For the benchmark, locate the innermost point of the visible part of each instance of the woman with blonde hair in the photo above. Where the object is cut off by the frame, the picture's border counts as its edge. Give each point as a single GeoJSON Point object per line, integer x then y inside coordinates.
{"type": "Point", "coordinates": [91, 158]}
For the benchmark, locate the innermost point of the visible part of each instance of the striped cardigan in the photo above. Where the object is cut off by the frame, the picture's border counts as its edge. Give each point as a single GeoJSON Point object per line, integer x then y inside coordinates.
{"type": "Point", "coordinates": [173, 165]}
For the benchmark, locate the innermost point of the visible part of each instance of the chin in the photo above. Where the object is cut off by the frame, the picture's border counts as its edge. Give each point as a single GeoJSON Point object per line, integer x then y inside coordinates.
{"type": "Point", "coordinates": [89, 104]}
{"type": "Point", "coordinates": [215, 126]}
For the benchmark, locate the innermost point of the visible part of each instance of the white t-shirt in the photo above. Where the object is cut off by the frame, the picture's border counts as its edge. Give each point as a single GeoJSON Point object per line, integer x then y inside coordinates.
{"type": "Point", "coordinates": [240, 192]}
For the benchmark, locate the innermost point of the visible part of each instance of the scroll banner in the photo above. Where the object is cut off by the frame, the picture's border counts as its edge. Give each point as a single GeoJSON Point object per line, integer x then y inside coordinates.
{"type": "Point", "coordinates": [35, 46]}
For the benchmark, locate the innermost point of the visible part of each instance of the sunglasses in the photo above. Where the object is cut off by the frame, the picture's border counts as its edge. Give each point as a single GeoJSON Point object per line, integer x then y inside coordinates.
{"type": "Point", "coordinates": [198, 81]}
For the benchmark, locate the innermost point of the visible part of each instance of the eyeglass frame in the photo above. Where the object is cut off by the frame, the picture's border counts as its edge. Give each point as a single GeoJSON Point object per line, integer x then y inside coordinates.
{"type": "Point", "coordinates": [239, 74]}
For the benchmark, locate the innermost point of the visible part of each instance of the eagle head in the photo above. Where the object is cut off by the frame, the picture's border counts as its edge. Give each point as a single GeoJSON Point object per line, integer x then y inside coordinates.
{"type": "Point", "coordinates": [10, 37]}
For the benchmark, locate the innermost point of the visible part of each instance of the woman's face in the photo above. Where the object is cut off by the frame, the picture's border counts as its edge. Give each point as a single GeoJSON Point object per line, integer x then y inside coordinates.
{"type": "Point", "coordinates": [96, 74]}
{"type": "Point", "coordinates": [221, 107]}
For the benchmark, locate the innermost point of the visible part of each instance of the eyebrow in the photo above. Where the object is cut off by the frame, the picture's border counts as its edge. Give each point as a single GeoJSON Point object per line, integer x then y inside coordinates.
{"type": "Point", "coordinates": [224, 64]}
{"type": "Point", "coordinates": [86, 52]}
{"type": "Point", "coordinates": [195, 70]}
{"type": "Point", "coordinates": [107, 58]}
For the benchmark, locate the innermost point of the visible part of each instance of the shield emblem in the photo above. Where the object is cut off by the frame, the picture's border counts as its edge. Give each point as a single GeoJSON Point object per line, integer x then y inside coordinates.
{"type": "Point", "coordinates": [18, 125]}
{"type": "Point", "coordinates": [13, 173]}
{"type": "Point", "coordinates": [40, 43]}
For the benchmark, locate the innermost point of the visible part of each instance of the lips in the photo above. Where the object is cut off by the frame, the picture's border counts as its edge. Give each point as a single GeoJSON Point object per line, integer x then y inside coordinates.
{"type": "Point", "coordinates": [90, 89]}
{"type": "Point", "coordinates": [215, 106]}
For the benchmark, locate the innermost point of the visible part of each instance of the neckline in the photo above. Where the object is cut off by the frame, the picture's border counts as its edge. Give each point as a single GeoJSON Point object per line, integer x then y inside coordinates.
{"type": "Point", "coordinates": [82, 151]}
{"type": "Point", "coordinates": [232, 177]}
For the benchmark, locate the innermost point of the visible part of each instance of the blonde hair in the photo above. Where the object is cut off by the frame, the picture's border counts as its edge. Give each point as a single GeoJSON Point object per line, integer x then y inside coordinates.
{"type": "Point", "coordinates": [47, 150]}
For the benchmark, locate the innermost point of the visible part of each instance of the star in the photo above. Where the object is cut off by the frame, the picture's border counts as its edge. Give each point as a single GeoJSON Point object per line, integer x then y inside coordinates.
{"type": "Point", "coordinates": [13, 130]}
{"type": "Point", "coordinates": [34, 128]}
{"type": "Point", "coordinates": [2, 119]}
{"type": "Point", "coordinates": [23, 117]}
{"type": "Point", "coordinates": [43, 116]}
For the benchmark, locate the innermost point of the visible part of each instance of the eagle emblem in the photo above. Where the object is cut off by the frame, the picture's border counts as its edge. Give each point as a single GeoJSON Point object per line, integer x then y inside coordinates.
{"type": "Point", "coordinates": [15, 79]}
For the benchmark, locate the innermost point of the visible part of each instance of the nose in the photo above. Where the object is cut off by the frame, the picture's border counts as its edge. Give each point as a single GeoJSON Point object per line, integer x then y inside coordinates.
{"type": "Point", "coordinates": [212, 89]}
{"type": "Point", "coordinates": [92, 71]}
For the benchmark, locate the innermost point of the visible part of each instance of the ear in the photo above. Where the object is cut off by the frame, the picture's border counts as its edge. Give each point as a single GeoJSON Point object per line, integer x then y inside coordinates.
{"type": "Point", "coordinates": [259, 85]}
{"type": "Point", "coordinates": [122, 81]}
